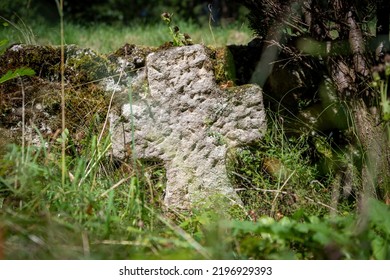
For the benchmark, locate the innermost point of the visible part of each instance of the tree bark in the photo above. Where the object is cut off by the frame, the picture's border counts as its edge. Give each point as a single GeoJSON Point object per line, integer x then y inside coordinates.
{"type": "Point", "coordinates": [350, 78]}
{"type": "Point", "coordinates": [356, 43]}
{"type": "Point", "coordinates": [374, 141]}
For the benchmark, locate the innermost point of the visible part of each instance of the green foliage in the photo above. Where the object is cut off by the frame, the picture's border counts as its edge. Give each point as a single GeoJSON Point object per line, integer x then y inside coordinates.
{"type": "Point", "coordinates": [19, 30]}
{"type": "Point", "coordinates": [310, 237]}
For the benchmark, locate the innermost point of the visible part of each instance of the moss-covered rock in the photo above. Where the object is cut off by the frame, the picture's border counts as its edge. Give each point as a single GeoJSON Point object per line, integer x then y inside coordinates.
{"type": "Point", "coordinates": [130, 56]}
{"type": "Point", "coordinates": [88, 76]}
{"type": "Point", "coordinates": [44, 60]}
{"type": "Point", "coordinates": [85, 65]}
{"type": "Point", "coordinates": [224, 67]}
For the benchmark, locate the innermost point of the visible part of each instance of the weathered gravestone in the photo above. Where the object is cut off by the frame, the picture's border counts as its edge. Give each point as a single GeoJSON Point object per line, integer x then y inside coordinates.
{"type": "Point", "coordinates": [186, 121]}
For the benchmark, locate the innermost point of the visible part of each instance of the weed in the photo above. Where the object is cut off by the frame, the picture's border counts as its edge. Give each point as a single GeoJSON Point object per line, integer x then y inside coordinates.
{"type": "Point", "coordinates": [178, 38]}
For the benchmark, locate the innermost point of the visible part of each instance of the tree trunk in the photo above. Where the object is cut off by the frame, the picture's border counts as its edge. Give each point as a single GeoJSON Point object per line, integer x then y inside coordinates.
{"type": "Point", "coordinates": [350, 78]}
{"type": "Point", "coordinates": [374, 141]}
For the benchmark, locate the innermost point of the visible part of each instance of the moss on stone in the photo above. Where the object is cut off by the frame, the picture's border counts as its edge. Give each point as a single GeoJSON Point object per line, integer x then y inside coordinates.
{"type": "Point", "coordinates": [44, 60]}
{"type": "Point", "coordinates": [85, 65]}
{"type": "Point", "coordinates": [85, 100]}
{"type": "Point", "coordinates": [134, 56]}
{"type": "Point", "coordinates": [223, 64]}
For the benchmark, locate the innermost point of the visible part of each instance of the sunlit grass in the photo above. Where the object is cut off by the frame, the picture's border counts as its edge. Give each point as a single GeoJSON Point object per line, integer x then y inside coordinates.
{"type": "Point", "coordinates": [107, 38]}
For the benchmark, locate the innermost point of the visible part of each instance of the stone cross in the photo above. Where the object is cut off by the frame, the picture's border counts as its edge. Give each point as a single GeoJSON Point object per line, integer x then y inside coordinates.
{"type": "Point", "coordinates": [189, 123]}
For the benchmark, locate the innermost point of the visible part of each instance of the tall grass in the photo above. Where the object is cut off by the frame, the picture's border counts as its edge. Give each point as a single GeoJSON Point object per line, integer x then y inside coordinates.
{"type": "Point", "coordinates": [19, 32]}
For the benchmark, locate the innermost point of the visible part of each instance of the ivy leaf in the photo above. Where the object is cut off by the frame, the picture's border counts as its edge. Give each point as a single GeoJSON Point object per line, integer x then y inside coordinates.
{"type": "Point", "coordinates": [24, 71]}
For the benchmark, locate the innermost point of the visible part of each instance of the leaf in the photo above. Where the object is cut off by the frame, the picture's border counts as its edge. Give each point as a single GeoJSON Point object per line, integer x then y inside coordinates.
{"type": "Point", "coordinates": [302, 228]}
{"type": "Point", "coordinates": [262, 225]}
{"type": "Point", "coordinates": [243, 226]}
{"type": "Point", "coordinates": [379, 248]}
{"type": "Point", "coordinates": [379, 214]}
{"type": "Point", "coordinates": [387, 71]}
{"type": "Point", "coordinates": [64, 136]}
{"type": "Point", "coordinates": [3, 44]}
{"type": "Point", "coordinates": [16, 73]}
{"type": "Point", "coordinates": [322, 237]}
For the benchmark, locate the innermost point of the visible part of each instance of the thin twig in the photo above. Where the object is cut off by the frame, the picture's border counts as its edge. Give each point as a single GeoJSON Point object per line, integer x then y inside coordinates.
{"type": "Point", "coordinates": [279, 190]}
{"type": "Point", "coordinates": [23, 118]}
{"type": "Point", "coordinates": [120, 182]}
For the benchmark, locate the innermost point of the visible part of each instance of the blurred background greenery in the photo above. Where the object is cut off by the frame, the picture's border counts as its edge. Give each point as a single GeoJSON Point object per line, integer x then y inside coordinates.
{"type": "Point", "coordinates": [121, 11]}
{"type": "Point", "coordinates": [106, 25]}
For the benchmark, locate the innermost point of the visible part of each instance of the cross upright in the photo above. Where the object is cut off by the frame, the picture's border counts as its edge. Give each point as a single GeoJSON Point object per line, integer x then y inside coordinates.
{"type": "Point", "coordinates": [189, 123]}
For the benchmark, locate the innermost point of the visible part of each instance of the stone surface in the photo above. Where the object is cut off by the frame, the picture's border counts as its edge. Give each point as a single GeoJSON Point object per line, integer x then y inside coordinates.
{"type": "Point", "coordinates": [186, 121]}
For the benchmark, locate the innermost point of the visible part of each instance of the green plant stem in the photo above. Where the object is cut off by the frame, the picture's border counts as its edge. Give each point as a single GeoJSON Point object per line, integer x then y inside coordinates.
{"type": "Point", "coordinates": [23, 119]}
{"type": "Point", "coordinates": [60, 5]}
